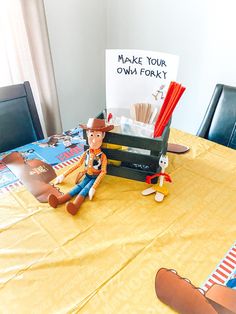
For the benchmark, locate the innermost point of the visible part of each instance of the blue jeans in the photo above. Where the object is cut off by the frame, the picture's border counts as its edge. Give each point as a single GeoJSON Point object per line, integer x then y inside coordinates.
{"type": "Point", "coordinates": [84, 186]}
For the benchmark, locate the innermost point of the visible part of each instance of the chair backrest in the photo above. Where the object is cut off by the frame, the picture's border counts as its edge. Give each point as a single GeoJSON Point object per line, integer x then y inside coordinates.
{"type": "Point", "coordinates": [219, 123]}
{"type": "Point", "coordinates": [19, 121]}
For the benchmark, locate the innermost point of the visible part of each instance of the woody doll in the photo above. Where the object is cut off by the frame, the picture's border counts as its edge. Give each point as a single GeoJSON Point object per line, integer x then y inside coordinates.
{"type": "Point", "coordinates": [95, 164]}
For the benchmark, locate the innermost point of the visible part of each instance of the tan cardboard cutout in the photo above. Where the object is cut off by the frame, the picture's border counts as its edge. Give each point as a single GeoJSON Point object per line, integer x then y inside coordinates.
{"type": "Point", "coordinates": [182, 296]}
{"type": "Point", "coordinates": [34, 174]}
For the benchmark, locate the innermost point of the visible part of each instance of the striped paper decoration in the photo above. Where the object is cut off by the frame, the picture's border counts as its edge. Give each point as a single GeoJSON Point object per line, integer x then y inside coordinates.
{"type": "Point", "coordinates": [223, 271]}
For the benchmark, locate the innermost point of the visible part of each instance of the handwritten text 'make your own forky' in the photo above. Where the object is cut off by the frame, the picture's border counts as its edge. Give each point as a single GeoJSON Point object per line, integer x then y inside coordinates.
{"type": "Point", "coordinates": [132, 70]}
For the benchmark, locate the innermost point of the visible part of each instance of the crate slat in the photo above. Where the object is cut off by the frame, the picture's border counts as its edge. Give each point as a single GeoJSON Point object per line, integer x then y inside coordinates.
{"type": "Point", "coordinates": [129, 173]}
{"type": "Point", "coordinates": [123, 155]}
{"type": "Point", "coordinates": [132, 141]}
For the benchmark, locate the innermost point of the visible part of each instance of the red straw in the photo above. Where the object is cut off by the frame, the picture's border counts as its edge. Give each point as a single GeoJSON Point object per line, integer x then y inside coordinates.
{"type": "Point", "coordinates": [169, 113]}
{"type": "Point", "coordinates": [171, 103]}
{"type": "Point", "coordinates": [169, 110]}
{"type": "Point", "coordinates": [166, 100]}
{"type": "Point", "coordinates": [173, 95]}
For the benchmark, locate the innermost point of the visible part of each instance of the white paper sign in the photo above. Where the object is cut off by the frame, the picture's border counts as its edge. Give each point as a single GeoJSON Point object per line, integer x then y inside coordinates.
{"type": "Point", "coordinates": [137, 76]}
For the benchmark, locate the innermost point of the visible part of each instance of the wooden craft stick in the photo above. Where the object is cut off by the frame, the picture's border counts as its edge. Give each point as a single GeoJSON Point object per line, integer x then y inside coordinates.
{"type": "Point", "coordinates": [132, 112]}
{"type": "Point", "coordinates": [145, 106]}
{"type": "Point", "coordinates": [154, 115]}
{"type": "Point", "coordinates": [141, 113]}
{"type": "Point", "coordinates": [150, 110]}
{"type": "Point", "coordinates": [136, 112]}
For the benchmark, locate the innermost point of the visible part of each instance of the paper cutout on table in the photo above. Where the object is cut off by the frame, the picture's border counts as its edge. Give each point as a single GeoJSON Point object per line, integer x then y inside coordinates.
{"type": "Point", "coordinates": [222, 298]}
{"type": "Point", "coordinates": [175, 91]}
{"type": "Point", "coordinates": [35, 175]}
{"type": "Point", "coordinates": [177, 148]}
{"type": "Point", "coordinates": [138, 76]}
{"type": "Point", "coordinates": [185, 298]}
{"type": "Point", "coordinates": [180, 294]}
{"type": "Point", "coordinates": [57, 149]}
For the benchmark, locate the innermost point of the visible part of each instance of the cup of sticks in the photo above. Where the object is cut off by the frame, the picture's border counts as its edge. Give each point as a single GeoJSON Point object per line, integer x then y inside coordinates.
{"type": "Point", "coordinates": [144, 112]}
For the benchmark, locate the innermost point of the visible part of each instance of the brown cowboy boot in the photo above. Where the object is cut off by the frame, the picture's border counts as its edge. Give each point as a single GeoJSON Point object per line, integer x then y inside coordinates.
{"type": "Point", "coordinates": [73, 208]}
{"type": "Point", "coordinates": [54, 201]}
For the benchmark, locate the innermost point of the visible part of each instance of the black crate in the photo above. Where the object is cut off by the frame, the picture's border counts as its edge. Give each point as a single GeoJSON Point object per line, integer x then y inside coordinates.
{"type": "Point", "coordinates": [134, 166]}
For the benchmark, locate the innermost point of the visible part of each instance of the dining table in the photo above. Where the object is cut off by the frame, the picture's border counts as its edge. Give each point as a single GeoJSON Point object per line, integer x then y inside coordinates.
{"type": "Point", "coordinates": [105, 258]}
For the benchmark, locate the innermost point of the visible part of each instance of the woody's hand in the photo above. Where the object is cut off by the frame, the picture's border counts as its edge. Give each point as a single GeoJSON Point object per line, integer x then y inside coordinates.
{"type": "Point", "coordinates": [78, 177]}
{"type": "Point", "coordinates": [91, 193]}
{"type": "Point", "coordinates": [60, 179]}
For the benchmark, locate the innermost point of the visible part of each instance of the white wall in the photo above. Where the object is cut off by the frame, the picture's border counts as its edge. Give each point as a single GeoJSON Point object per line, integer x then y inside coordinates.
{"type": "Point", "coordinates": [201, 32]}
{"type": "Point", "coordinates": [77, 34]}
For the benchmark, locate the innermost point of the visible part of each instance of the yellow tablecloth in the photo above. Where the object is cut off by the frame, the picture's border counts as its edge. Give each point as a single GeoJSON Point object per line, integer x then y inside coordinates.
{"type": "Point", "coordinates": [104, 259]}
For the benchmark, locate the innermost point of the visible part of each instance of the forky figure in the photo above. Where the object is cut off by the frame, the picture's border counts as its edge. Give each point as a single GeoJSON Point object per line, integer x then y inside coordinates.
{"type": "Point", "coordinates": [160, 190]}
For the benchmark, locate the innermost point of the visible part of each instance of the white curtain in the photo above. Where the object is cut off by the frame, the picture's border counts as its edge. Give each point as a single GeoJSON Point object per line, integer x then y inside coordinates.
{"type": "Point", "coordinates": [25, 56]}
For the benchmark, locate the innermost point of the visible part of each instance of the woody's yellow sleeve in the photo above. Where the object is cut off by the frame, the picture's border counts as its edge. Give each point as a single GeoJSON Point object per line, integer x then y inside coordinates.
{"type": "Point", "coordinates": [77, 165]}
{"type": "Point", "coordinates": [102, 173]}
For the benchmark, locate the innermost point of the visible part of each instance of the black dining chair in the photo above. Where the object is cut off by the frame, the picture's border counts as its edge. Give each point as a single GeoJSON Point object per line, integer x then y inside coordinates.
{"type": "Point", "coordinates": [219, 122]}
{"type": "Point", "coordinates": [19, 121]}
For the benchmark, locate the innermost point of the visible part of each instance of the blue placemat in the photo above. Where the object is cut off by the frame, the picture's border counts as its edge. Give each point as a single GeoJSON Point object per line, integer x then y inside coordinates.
{"type": "Point", "coordinates": [54, 150]}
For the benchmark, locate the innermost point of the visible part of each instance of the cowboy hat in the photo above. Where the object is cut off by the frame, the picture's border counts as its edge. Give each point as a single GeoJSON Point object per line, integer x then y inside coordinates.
{"type": "Point", "coordinates": [96, 125]}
